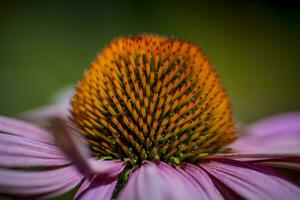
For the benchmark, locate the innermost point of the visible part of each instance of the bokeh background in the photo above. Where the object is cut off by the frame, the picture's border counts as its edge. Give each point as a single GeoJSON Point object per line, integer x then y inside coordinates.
{"type": "Point", "coordinates": [254, 45]}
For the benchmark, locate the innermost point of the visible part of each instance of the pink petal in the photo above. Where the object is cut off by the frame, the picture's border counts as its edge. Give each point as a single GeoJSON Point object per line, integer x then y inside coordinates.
{"type": "Point", "coordinates": [251, 182]}
{"type": "Point", "coordinates": [161, 182]}
{"type": "Point", "coordinates": [247, 157]}
{"type": "Point", "coordinates": [59, 108]}
{"type": "Point", "coordinates": [97, 189]}
{"type": "Point", "coordinates": [19, 151]}
{"type": "Point", "coordinates": [281, 164]}
{"type": "Point", "coordinates": [275, 160]}
{"type": "Point", "coordinates": [28, 161]}
{"type": "Point", "coordinates": [78, 152]}
{"type": "Point", "coordinates": [106, 168]}
{"type": "Point", "coordinates": [145, 183]}
{"type": "Point", "coordinates": [42, 115]}
{"type": "Point", "coordinates": [83, 187]}
{"type": "Point", "coordinates": [275, 135]}
{"type": "Point", "coordinates": [38, 184]}
{"type": "Point", "coordinates": [278, 124]}
{"type": "Point", "coordinates": [178, 186]}
{"type": "Point", "coordinates": [25, 129]}
{"type": "Point", "coordinates": [209, 191]}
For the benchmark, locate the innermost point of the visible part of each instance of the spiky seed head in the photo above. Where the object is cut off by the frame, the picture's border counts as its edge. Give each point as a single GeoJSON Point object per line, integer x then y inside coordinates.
{"type": "Point", "coordinates": [151, 97]}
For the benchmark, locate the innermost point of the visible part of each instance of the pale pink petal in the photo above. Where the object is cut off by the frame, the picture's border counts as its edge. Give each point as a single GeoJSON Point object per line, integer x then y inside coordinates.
{"type": "Point", "coordinates": [185, 185]}
{"type": "Point", "coordinates": [277, 124]}
{"type": "Point", "coordinates": [251, 182]}
{"type": "Point", "coordinates": [275, 135]}
{"type": "Point", "coordinates": [106, 168]}
{"type": "Point", "coordinates": [38, 184]}
{"type": "Point", "coordinates": [25, 129]}
{"type": "Point", "coordinates": [80, 155]}
{"type": "Point", "coordinates": [280, 144]}
{"type": "Point", "coordinates": [161, 182]}
{"type": "Point", "coordinates": [97, 189]}
{"type": "Point", "coordinates": [20, 151]}
{"type": "Point", "coordinates": [146, 183]}
{"type": "Point", "coordinates": [17, 161]}
{"type": "Point", "coordinates": [10, 142]}
{"type": "Point", "coordinates": [59, 107]}
{"type": "Point", "coordinates": [42, 115]}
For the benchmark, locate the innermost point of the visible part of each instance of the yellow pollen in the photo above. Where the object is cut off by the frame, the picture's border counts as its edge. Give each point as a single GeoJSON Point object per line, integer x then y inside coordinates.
{"type": "Point", "coordinates": [151, 97]}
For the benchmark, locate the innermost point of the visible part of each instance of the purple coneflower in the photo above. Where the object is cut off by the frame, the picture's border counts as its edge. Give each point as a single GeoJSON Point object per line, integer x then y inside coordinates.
{"type": "Point", "coordinates": [149, 120]}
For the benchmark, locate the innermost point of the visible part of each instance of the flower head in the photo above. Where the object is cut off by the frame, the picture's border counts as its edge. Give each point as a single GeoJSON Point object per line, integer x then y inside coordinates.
{"type": "Point", "coordinates": [158, 123]}
{"type": "Point", "coordinates": [153, 98]}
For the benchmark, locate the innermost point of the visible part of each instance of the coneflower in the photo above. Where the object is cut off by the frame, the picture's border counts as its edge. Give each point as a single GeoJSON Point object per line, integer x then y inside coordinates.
{"type": "Point", "coordinates": [152, 98]}
{"type": "Point", "coordinates": [158, 123]}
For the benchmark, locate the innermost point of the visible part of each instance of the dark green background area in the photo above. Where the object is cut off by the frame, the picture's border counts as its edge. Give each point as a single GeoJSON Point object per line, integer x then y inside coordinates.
{"type": "Point", "coordinates": [254, 45]}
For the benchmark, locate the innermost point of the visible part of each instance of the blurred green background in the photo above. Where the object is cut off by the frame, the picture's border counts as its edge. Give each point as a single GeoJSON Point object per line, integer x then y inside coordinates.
{"type": "Point", "coordinates": [254, 45]}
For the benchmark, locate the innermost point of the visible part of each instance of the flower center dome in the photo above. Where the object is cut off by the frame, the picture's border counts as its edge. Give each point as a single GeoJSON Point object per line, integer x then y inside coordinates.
{"type": "Point", "coordinates": [155, 98]}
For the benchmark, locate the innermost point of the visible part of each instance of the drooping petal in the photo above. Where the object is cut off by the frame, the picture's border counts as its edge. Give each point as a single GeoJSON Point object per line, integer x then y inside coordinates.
{"type": "Point", "coordinates": [38, 184]}
{"type": "Point", "coordinates": [161, 182]}
{"type": "Point", "coordinates": [29, 161]}
{"type": "Point", "coordinates": [17, 127]}
{"type": "Point", "coordinates": [106, 168]}
{"type": "Point", "coordinates": [24, 145]}
{"type": "Point", "coordinates": [275, 135]}
{"type": "Point", "coordinates": [97, 189]}
{"type": "Point", "coordinates": [80, 155]}
{"type": "Point", "coordinates": [251, 182]}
